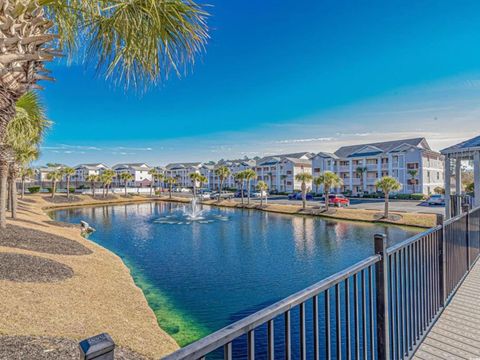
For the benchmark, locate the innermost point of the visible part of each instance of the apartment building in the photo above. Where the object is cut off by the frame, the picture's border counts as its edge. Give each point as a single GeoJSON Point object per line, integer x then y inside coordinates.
{"type": "Point", "coordinates": [82, 172]}
{"type": "Point", "coordinates": [140, 172]}
{"type": "Point", "coordinates": [279, 171]}
{"type": "Point", "coordinates": [181, 172]}
{"type": "Point", "coordinates": [235, 166]}
{"type": "Point", "coordinates": [411, 161]}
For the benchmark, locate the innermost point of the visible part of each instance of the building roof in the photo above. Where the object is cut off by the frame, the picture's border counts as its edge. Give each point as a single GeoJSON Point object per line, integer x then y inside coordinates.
{"type": "Point", "coordinates": [91, 166]}
{"type": "Point", "coordinates": [133, 166]}
{"type": "Point", "coordinates": [327, 155]}
{"type": "Point", "coordinates": [468, 145]}
{"type": "Point", "coordinates": [386, 146]}
{"type": "Point", "coordinates": [185, 165]}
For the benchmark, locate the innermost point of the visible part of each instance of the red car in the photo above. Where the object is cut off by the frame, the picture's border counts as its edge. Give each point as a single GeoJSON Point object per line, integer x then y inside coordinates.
{"type": "Point", "coordinates": [338, 200]}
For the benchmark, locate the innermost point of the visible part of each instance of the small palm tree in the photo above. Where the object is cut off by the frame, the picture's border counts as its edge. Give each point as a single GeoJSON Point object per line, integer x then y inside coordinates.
{"type": "Point", "coordinates": [93, 179]}
{"type": "Point", "coordinates": [54, 177]}
{"type": "Point", "coordinates": [360, 171]}
{"type": "Point", "coordinates": [223, 173]}
{"type": "Point", "coordinates": [154, 174]}
{"type": "Point", "coordinates": [68, 172]}
{"type": "Point", "coordinates": [126, 177]}
{"type": "Point", "coordinates": [170, 182]}
{"type": "Point", "coordinates": [329, 180]}
{"type": "Point", "coordinates": [249, 175]}
{"type": "Point", "coordinates": [160, 179]}
{"type": "Point", "coordinates": [25, 173]}
{"type": "Point", "coordinates": [240, 178]}
{"type": "Point", "coordinates": [413, 174]}
{"type": "Point", "coordinates": [195, 178]}
{"type": "Point", "coordinates": [304, 178]}
{"type": "Point", "coordinates": [107, 179]}
{"type": "Point", "coordinates": [388, 184]}
{"type": "Point", "coordinates": [262, 187]}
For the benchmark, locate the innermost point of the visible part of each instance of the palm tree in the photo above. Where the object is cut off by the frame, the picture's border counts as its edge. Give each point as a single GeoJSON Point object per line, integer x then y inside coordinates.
{"type": "Point", "coordinates": [388, 184]}
{"type": "Point", "coordinates": [223, 173]}
{"type": "Point", "coordinates": [170, 181]}
{"type": "Point", "coordinates": [107, 179]}
{"type": "Point", "coordinates": [136, 42]}
{"type": "Point", "coordinates": [360, 171]}
{"type": "Point", "coordinates": [329, 180]}
{"type": "Point", "coordinates": [23, 136]}
{"type": "Point", "coordinates": [304, 178]}
{"type": "Point", "coordinates": [126, 177]}
{"type": "Point", "coordinates": [154, 173]}
{"type": "Point", "coordinates": [68, 172]}
{"type": "Point", "coordinates": [240, 178]}
{"type": "Point", "coordinates": [262, 187]}
{"type": "Point", "coordinates": [54, 177]}
{"type": "Point", "coordinates": [93, 179]}
{"type": "Point", "coordinates": [160, 178]}
{"type": "Point", "coordinates": [195, 178]}
{"type": "Point", "coordinates": [23, 156]}
{"type": "Point", "coordinates": [25, 173]}
{"type": "Point", "coordinates": [249, 175]}
{"type": "Point", "coordinates": [413, 174]}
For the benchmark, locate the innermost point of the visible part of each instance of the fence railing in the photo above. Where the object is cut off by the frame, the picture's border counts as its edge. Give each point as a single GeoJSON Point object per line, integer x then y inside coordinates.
{"type": "Point", "coordinates": [380, 308]}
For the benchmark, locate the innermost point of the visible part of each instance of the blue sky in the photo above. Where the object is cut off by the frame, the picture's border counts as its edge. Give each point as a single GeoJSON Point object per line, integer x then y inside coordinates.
{"type": "Point", "coordinates": [281, 76]}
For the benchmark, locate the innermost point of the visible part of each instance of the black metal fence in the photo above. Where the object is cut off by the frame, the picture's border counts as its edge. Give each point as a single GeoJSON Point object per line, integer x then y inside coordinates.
{"type": "Point", "coordinates": [380, 308]}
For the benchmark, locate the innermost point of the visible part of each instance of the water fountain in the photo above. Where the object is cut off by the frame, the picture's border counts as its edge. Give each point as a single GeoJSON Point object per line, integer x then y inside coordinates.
{"type": "Point", "coordinates": [194, 213]}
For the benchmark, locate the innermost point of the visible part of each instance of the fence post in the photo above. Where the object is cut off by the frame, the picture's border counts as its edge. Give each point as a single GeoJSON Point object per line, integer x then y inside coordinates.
{"type": "Point", "coordinates": [441, 261]}
{"type": "Point", "coordinates": [381, 280]}
{"type": "Point", "coordinates": [466, 209]}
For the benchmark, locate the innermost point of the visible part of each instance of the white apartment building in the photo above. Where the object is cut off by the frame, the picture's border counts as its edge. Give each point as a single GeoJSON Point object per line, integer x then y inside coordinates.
{"type": "Point", "coordinates": [235, 166]}
{"type": "Point", "coordinates": [140, 172]}
{"type": "Point", "coordinates": [82, 171]}
{"type": "Point", "coordinates": [181, 172]}
{"type": "Point", "coordinates": [279, 171]}
{"type": "Point", "coordinates": [41, 174]}
{"type": "Point", "coordinates": [360, 166]}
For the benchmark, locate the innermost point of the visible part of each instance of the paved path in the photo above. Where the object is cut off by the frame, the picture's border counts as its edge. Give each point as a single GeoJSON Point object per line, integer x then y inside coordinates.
{"type": "Point", "coordinates": [456, 335]}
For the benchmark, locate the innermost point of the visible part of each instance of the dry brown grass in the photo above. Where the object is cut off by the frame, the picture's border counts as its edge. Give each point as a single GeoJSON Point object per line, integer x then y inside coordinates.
{"type": "Point", "coordinates": [100, 297]}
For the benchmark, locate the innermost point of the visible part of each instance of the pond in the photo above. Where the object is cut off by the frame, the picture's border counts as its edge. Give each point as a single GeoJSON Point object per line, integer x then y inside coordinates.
{"type": "Point", "coordinates": [200, 275]}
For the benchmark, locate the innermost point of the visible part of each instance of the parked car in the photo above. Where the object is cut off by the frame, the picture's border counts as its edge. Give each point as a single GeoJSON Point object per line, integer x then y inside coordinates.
{"type": "Point", "coordinates": [436, 199]}
{"type": "Point", "coordinates": [223, 195]}
{"type": "Point", "coordinates": [238, 194]}
{"type": "Point", "coordinates": [338, 200]}
{"type": "Point", "coordinates": [205, 196]}
{"type": "Point", "coordinates": [298, 196]}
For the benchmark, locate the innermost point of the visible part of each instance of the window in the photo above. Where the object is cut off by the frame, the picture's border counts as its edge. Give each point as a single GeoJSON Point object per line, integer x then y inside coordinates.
{"type": "Point", "coordinates": [289, 172]}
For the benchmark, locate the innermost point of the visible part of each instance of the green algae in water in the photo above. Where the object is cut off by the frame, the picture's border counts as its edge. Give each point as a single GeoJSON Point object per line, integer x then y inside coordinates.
{"type": "Point", "coordinates": [178, 325]}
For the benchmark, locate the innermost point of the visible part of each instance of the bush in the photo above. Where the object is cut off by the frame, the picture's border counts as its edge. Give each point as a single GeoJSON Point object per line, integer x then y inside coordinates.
{"type": "Point", "coordinates": [33, 189]}
{"type": "Point", "coordinates": [417, 197]}
{"type": "Point", "coordinates": [71, 190]}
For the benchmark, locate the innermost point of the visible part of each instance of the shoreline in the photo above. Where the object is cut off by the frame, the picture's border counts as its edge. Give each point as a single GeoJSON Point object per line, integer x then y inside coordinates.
{"type": "Point", "coordinates": [420, 220]}
{"type": "Point", "coordinates": [99, 296]}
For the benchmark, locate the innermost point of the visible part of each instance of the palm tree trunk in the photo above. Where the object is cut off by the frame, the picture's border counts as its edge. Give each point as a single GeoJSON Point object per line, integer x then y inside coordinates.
{"type": "Point", "coordinates": [170, 192]}
{"type": "Point", "coordinates": [125, 189]}
{"type": "Point", "coordinates": [151, 189]}
{"type": "Point", "coordinates": [248, 192]}
{"type": "Point", "coordinates": [220, 191]}
{"type": "Point", "coordinates": [93, 189]}
{"type": "Point", "coordinates": [68, 187]}
{"type": "Point", "coordinates": [386, 205]}
{"type": "Point", "coordinates": [326, 197]}
{"type": "Point", "coordinates": [23, 187]}
{"type": "Point", "coordinates": [241, 189]}
{"type": "Point", "coordinates": [54, 184]}
{"type": "Point", "coordinates": [13, 190]}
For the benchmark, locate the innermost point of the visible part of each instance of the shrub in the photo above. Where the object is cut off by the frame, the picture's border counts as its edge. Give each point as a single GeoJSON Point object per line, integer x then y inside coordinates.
{"type": "Point", "coordinates": [33, 189]}
{"type": "Point", "coordinates": [417, 197]}
{"type": "Point", "coordinates": [72, 190]}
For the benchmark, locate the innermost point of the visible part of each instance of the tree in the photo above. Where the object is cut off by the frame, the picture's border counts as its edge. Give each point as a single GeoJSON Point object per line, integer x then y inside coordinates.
{"type": "Point", "coordinates": [413, 174]}
{"type": "Point", "coordinates": [170, 182]}
{"type": "Point", "coordinates": [223, 173]}
{"type": "Point", "coordinates": [68, 172]}
{"type": "Point", "coordinates": [107, 178]}
{"type": "Point", "coordinates": [439, 190]}
{"type": "Point", "coordinates": [360, 171]}
{"type": "Point", "coordinates": [126, 177]}
{"type": "Point", "coordinates": [25, 173]}
{"type": "Point", "coordinates": [54, 177]}
{"type": "Point", "coordinates": [240, 178]}
{"type": "Point", "coordinates": [262, 187]}
{"type": "Point", "coordinates": [160, 178]}
{"type": "Point", "coordinates": [470, 188]}
{"type": "Point", "coordinates": [23, 136]}
{"type": "Point", "coordinates": [136, 43]}
{"type": "Point", "coordinates": [23, 157]}
{"type": "Point", "coordinates": [304, 178]}
{"type": "Point", "coordinates": [249, 175]}
{"type": "Point", "coordinates": [329, 180]}
{"type": "Point", "coordinates": [93, 179]}
{"type": "Point", "coordinates": [195, 178]}
{"type": "Point", "coordinates": [387, 184]}
{"type": "Point", "coordinates": [153, 173]}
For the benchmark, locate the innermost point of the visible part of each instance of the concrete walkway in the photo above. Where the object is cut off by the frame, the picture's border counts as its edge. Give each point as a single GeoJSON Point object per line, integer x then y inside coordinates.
{"type": "Point", "coordinates": [456, 335]}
